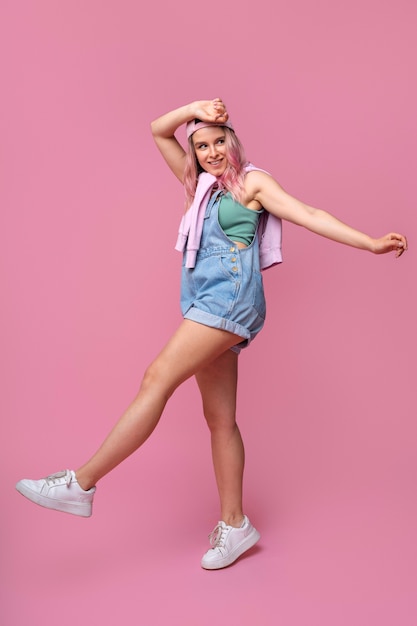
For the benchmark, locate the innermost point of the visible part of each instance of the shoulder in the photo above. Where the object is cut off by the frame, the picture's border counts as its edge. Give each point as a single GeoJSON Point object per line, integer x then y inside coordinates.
{"type": "Point", "coordinates": [255, 181]}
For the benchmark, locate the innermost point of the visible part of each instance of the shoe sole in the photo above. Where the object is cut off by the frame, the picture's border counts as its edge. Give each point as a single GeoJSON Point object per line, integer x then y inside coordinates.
{"type": "Point", "coordinates": [81, 509]}
{"type": "Point", "coordinates": [240, 549]}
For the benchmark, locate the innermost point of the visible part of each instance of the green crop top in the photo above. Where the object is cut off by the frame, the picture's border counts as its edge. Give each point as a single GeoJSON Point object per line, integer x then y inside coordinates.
{"type": "Point", "coordinates": [237, 221]}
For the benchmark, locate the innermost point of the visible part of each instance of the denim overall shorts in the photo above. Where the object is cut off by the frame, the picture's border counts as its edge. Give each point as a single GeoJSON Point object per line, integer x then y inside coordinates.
{"type": "Point", "coordinates": [224, 290]}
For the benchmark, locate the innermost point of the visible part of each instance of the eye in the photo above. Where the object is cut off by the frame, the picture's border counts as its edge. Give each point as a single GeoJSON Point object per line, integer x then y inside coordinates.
{"type": "Point", "coordinates": [201, 146]}
{"type": "Point", "coordinates": [220, 141]}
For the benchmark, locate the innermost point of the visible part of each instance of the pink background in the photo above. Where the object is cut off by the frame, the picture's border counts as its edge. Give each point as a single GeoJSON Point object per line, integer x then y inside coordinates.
{"type": "Point", "coordinates": [323, 95]}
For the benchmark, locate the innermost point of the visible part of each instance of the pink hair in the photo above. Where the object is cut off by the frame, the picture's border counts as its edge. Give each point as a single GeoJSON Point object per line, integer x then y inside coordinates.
{"type": "Point", "coordinates": [232, 178]}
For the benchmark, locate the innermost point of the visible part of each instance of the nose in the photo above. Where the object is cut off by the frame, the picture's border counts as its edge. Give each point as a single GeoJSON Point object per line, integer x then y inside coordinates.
{"type": "Point", "coordinates": [213, 150]}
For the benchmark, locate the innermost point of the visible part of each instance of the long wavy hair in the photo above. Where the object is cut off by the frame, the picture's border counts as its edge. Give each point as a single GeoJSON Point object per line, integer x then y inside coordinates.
{"type": "Point", "coordinates": [232, 178]}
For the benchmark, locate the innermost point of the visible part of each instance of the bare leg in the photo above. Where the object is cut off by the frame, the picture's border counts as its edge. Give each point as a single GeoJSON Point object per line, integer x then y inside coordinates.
{"type": "Point", "coordinates": [192, 347]}
{"type": "Point", "coordinates": [218, 384]}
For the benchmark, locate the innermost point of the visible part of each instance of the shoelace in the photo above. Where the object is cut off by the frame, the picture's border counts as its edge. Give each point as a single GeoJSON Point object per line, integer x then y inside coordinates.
{"type": "Point", "coordinates": [217, 536]}
{"type": "Point", "coordinates": [50, 480]}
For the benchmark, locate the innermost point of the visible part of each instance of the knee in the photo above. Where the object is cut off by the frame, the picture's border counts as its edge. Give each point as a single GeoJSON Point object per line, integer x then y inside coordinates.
{"type": "Point", "coordinates": [156, 380]}
{"type": "Point", "coordinates": [220, 421]}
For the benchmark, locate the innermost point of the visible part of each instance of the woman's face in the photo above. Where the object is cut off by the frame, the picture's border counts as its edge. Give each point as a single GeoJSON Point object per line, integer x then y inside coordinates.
{"type": "Point", "coordinates": [210, 149]}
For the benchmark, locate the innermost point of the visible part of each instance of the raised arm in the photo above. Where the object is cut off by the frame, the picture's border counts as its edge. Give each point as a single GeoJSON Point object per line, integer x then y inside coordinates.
{"type": "Point", "coordinates": [274, 199]}
{"type": "Point", "coordinates": [164, 128]}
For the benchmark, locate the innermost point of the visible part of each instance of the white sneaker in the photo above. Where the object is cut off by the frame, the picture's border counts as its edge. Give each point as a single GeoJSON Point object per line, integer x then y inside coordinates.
{"type": "Point", "coordinates": [228, 544]}
{"type": "Point", "coordinates": [60, 492]}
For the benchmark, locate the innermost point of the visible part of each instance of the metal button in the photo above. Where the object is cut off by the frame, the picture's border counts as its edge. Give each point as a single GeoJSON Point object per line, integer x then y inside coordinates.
{"type": "Point", "coordinates": [232, 249]}
{"type": "Point", "coordinates": [233, 259]}
{"type": "Point", "coordinates": [234, 269]}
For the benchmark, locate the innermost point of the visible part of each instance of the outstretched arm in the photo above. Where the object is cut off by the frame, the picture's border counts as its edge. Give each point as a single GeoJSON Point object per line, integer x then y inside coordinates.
{"type": "Point", "coordinates": [164, 128]}
{"type": "Point", "coordinates": [278, 202]}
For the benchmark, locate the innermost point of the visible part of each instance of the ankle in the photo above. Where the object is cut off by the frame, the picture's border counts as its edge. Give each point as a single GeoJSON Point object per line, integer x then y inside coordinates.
{"type": "Point", "coordinates": [235, 520]}
{"type": "Point", "coordinates": [83, 482]}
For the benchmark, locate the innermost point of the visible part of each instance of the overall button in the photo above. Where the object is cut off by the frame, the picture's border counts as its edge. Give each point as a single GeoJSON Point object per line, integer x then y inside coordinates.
{"type": "Point", "coordinates": [233, 259]}
{"type": "Point", "coordinates": [234, 269]}
{"type": "Point", "coordinates": [232, 249]}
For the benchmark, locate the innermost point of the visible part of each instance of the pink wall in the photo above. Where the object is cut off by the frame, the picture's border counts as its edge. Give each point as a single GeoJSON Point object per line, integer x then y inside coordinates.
{"type": "Point", "coordinates": [323, 95]}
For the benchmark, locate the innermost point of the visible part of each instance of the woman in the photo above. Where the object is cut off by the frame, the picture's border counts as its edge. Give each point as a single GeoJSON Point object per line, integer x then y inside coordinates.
{"type": "Point", "coordinates": [230, 232]}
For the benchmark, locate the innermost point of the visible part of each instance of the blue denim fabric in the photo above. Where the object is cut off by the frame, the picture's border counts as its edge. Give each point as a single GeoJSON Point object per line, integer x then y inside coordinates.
{"type": "Point", "coordinates": [224, 290]}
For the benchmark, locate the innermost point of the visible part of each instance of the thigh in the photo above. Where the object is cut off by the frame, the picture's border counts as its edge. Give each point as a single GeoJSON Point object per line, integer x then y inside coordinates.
{"type": "Point", "coordinates": [217, 382]}
{"type": "Point", "coordinates": [192, 347]}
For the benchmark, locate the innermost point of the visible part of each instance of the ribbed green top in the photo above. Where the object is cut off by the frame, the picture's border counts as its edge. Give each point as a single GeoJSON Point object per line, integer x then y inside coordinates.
{"type": "Point", "coordinates": [237, 221]}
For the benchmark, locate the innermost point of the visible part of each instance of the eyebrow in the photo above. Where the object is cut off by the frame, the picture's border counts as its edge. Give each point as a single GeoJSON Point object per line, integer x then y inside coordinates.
{"type": "Point", "coordinates": [201, 142]}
